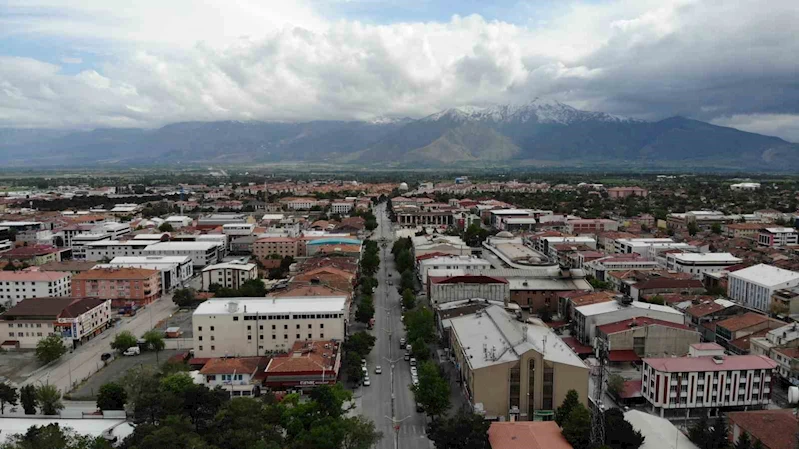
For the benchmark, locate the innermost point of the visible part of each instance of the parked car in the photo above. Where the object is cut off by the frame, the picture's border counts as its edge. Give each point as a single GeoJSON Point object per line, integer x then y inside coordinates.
{"type": "Point", "coordinates": [105, 356]}
{"type": "Point", "coordinates": [378, 370]}
{"type": "Point", "coordinates": [407, 357]}
{"type": "Point", "coordinates": [402, 342]}
{"type": "Point", "coordinates": [366, 382]}
{"type": "Point", "coordinates": [131, 351]}
{"type": "Point", "coordinates": [419, 407]}
{"type": "Point", "coordinates": [414, 373]}
{"type": "Point", "coordinates": [413, 361]}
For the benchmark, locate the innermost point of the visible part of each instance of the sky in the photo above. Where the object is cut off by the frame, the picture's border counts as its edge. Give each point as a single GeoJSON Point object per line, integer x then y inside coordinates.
{"type": "Point", "coordinates": [113, 63]}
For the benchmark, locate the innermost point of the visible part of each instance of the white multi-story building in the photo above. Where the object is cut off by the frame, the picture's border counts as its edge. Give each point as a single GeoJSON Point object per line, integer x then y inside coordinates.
{"type": "Point", "coordinates": [108, 249]}
{"type": "Point", "coordinates": [238, 229]}
{"type": "Point", "coordinates": [708, 382]}
{"type": "Point", "coordinates": [229, 275]}
{"type": "Point", "coordinates": [179, 221]}
{"type": "Point", "coordinates": [115, 230]}
{"type": "Point", "coordinates": [341, 207]}
{"type": "Point", "coordinates": [649, 247]}
{"type": "Point", "coordinates": [32, 283]}
{"type": "Point", "coordinates": [697, 264]}
{"type": "Point", "coordinates": [175, 270]}
{"type": "Point", "coordinates": [201, 253]}
{"type": "Point", "coordinates": [451, 263]}
{"type": "Point", "coordinates": [754, 286]}
{"type": "Point", "coordinates": [79, 242]}
{"type": "Point", "coordinates": [257, 326]}
{"type": "Point", "coordinates": [778, 237]}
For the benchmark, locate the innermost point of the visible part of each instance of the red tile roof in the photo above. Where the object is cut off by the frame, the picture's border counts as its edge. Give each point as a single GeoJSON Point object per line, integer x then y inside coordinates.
{"type": "Point", "coordinates": [739, 322]}
{"type": "Point", "coordinates": [771, 427]}
{"type": "Point", "coordinates": [659, 283]}
{"type": "Point", "coordinates": [305, 356]}
{"type": "Point", "coordinates": [733, 362]}
{"type": "Point", "coordinates": [623, 325]}
{"type": "Point", "coordinates": [116, 273]}
{"type": "Point", "coordinates": [743, 343]}
{"type": "Point", "coordinates": [623, 355]}
{"type": "Point", "coordinates": [230, 365]}
{"type": "Point", "coordinates": [30, 251]}
{"type": "Point", "coordinates": [632, 389]}
{"type": "Point", "coordinates": [576, 346]}
{"type": "Point", "coordinates": [526, 435]}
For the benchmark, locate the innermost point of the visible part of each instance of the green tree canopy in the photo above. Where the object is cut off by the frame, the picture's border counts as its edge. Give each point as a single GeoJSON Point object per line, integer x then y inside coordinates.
{"type": "Point", "coordinates": [111, 396]}
{"type": "Point", "coordinates": [465, 430]}
{"type": "Point", "coordinates": [433, 390]}
{"type": "Point", "coordinates": [8, 396]}
{"type": "Point", "coordinates": [50, 348]}
{"type": "Point", "coordinates": [569, 403]}
{"type": "Point", "coordinates": [123, 341]}
{"type": "Point", "coordinates": [49, 399]}
{"type": "Point", "coordinates": [577, 427]}
{"type": "Point", "coordinates": [27, 396]}
{"type": "Point", "coordinates": [154, 339]}
{"type": "Point", "coordinates": [184, 297]}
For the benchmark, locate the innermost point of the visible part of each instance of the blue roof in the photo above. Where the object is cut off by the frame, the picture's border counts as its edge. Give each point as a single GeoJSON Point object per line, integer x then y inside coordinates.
{"type": "Point", "coordinates": [335, 241]}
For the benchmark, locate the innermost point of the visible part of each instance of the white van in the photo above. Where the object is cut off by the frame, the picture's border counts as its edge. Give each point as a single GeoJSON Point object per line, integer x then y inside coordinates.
{"type": "Point", "coordinates": [131, 351]}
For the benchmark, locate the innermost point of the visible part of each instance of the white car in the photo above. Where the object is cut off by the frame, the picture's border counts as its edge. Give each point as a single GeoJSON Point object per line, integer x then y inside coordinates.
{"type": "Point", "coordinates": [414, 373]}
{"type": "Point", "coordinates": [363, 362]}
{"type": "Point", "coordinates": [413, 361]}
{"type": "Point", "coordinates": [366, 382]}
{"type": "Point", "coordinates": [364, 369]}
{"type": "Point", "coordinates": [415, 380]}
{"type": "Point", "coordinates": [378, 370]}
{"type": "Point", "coordinates": [131, 351]}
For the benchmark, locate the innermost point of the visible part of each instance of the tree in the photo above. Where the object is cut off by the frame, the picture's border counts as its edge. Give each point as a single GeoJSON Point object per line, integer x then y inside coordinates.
{"type": "Point", "coordinates": [744, 442]}
{"type": "Point", "coordinates": [111, 397]}
{"type": "Point", "coordinates": [27, 395]}
{"type": "Point", "coordinates": [615, 385]}
{"type": "Point", "coordinates": [49, 399]}
{"type": "Point", "coordinates": [176, 383]}
{"type": "Point", "coordinates": [420, 325]}
{"type": "Point", "coordinates": [252, 288]}
{"type": "Point", "coordinates": [154, 339]}
{"type": "Point", "coordinates": [619, 433]}
{"type": "Point", "coordinates": [692, 228]}
{"type": "Point", "coordinates": [408, 299]}
{"type": "Point", "coordinates": [718, 437]}
{"type": "Point", "coordinates": [166, 227]}
{"type": "Point", "coordinates": [123, 341]}
{"type": "Point", "coordinates": [360, 343]}
{"type": "Point", "coordinates": [50, 348]}
{"type": "Point", "coordinates": [569, 403]}
{"type": "Point", "coordinates": [463, 431]}
{"type": "Point", "coordinates": [359, 433]}
{"type": "Point", "coordinates": [577, 427]}
{"type": "Point", "coordinates": [716, 228]}
{"type": "Point", "coordinates": [366, 310]}
{"type": "Point", "coordinates": [407, 280]}
{"type": "Point", "coordinates": [758, 445]}
{"type": "Point", "coordinates": [52, 436]}
{"type": "Point", "coordinates": [698, 433]}
{"type": "Point", "coordinates": [184, 297]}
{"type": "Point", "coordinates": [8, 395]}
{"type": "Point", "coordinates": [432, 392]}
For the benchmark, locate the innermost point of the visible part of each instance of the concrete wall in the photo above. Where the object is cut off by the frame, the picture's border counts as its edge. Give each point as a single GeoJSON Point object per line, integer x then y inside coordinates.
{"type": "Point", "coordinates": [661, 341]}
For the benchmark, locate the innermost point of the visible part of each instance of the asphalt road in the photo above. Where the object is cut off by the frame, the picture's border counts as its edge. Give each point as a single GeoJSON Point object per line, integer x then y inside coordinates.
{"type": "Point", "coordinates": [376, 400]}
{"type": "Point", "coordinates": [73, 368]}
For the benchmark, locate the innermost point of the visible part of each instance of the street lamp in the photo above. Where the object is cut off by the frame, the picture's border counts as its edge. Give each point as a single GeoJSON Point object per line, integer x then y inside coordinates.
{"type": "Point", "coordinates": [396, 423]}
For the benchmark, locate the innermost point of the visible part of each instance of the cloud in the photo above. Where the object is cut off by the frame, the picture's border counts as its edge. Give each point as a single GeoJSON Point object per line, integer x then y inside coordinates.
{"type": "Point", "coordinates": [68, 60]}
{"type": "Point", "coordinates": [719, 61]}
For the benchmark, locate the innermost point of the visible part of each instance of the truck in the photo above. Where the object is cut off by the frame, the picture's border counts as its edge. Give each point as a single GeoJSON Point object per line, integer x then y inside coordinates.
{"type": "Point", "coordinates": [371, 324]}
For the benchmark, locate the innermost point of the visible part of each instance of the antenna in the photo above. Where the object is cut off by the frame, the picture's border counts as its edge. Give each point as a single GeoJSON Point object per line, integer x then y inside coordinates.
{"type": "Point", "coordinates": [597, 418]}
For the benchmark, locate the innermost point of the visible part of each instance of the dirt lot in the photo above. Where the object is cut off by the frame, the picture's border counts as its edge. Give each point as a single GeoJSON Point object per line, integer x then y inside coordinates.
{"type": "Point", "coordinates": [115, 370]}
{"type": "Point", "coordinates": [17, 365]}
{"type": "Point", "coordinates": [182, 319]}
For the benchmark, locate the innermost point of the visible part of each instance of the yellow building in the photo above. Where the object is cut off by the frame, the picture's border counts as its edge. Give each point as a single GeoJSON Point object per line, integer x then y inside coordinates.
{"type": "Point", "coordinates": [511, 369]}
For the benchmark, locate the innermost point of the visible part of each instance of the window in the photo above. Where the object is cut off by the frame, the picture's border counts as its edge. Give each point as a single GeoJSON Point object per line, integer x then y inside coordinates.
{"type": "Point", "coordinates": [321, 335]}
{"type": "Point", "coordinates": [201, 348]}
{"type": "Point", "coordinates": [213, 348]}
{"type": "Point", "coordinates": [321, 325]}
{"type": "Point", "coordinates": [273, 327]}
{"type": "Point", "coordinates": [515, 386]}
{"type": "Point", "coordinates": [212, 338]}
{"type": "Point", "coordinates": [210, 377]}
{"type": "Point", "coordinates": [249, 337]}
{"type": "Point", "coordinates": [298, 336]}
{"type": "Point", "coordinates": [274, 337]}
{"type": "Point", "coordinates": [309, 336]}
{"type": "Point", "coordinates": [200, 338]}
{"type": "Point", "coordinates": [212, 328]}
{"type": "Point", "coordinates": [235, 318]}
{"type": "Point", "coordinates": [285, 327]}
{"type": "Point", "coordinates": [309, 326]}
{"type": "Point", "coordinates": [249, 328]}
{"type": "Point", "coordinates": [298, 326]}
{"type": "Point", "coordinates": [285, 336]}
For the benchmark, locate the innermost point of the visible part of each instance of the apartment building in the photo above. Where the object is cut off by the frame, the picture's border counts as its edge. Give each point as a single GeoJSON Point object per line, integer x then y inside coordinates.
{"type": "Point", "coordinates": [451, 263]}
{"type": "Point", "coordinates": [776, 237]}
{"type": "Point", "coordinates": [341, 207]}
{"type": "Point", "coordinates": [512, 370]}
{"type": "Point", "coordinates": [201, 253]}
{"type": "Point", "coordinates": [743, 230]}
{"type": "Point", "coordinates": [79, 243]}
{"type": "Point", "coordinates": [175, 270]}
{"type": "Point", "coordinates": [179, 221]}
{"type": "Point", "coordinates": [587, 318]}
{"type": "Point", "coordinates": [631, 339]}
{"type": "Point", "coordinates": [444, 289]}
{"type": "Point", "coordinates": [624, 192]}
{"type": "Point", "coordinates": [124, 286]}
{"type": "Point", "coordinates": [246, 327]}
{"type": "Point", "coordinates": [750, 324]}
{"type": "Point", "coordinates": [649, 247]}
{"type": "Point", "coordinates": [282, 246]}
{"type": "Point", "coordinates": [600, 268]}
{"type": "Point", "coordinates": [238, 229]}
{"type": "Point", "coordinates": [229, 275]}
{"type": "Point", "coordinates": [16, 286]}
{"type": "Point", "coordinates": [76, 320]}
{"type": "Point", "coordinates": [697, 264]}
{"type": "Point", "coordinates": [108, 249]}
{"type": "Point", "coordinates": [680, 385]}
{"type": "Point", "coordinates": [34, 254]}
{"type": "Point", "coordinates": [591, 225]}
{"type": "Point", "coordinates": [754, 286]}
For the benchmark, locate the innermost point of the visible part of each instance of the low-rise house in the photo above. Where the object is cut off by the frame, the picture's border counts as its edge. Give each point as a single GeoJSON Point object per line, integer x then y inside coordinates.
{"type": "Point", "coordinates": [624, 192]}
{"type": "Point", "coordinates": [236, 375]}
{"type": "Point", "coordinates": [709, 312]}
{"type": "Point", "coordinates": [770, 427]}
{"type": "Point", "coordinates": [75, 320]}
{"type": "Point", "coordinates": [662, 285]}
{"type": "Point", "coordinates": [742, 326]}
{"type": "Point", "coordinates": [684, 385]}
{"type": "Point", "coordinates": [743, 230]}
{"type": "Point", "coordinates": [308, 364]}
{"type": "Point", "coordinates": [72, 267]}
{"type": "Point", "coordinates": [228, 275]}
{"type": "Point", "coordinates": [568, 301]}
{"type": "Point", "coordinates": [34, 254]}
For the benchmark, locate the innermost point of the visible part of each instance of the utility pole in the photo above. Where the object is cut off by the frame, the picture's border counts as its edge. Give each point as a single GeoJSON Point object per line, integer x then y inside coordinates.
{"type": "Point", "coordinates": [396, 424]}
{"type": "Point", "coordinates": [597, 415]}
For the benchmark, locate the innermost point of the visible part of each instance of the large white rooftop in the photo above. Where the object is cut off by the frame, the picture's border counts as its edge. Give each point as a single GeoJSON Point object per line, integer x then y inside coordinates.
{"type": "Point", "coordinates": [153, 260]}
{"type": "Point", "coordinates": [132, 242]}
{"type": "Point", "coordinates": [612, 306]}
{"type": "Point", "coordinates": [706, 257]}
{"type": "Point", "coordinates": [765, 275]}
{"type": "Point", "coordinates": [781, 230]}
{"type": "Point", "coordinates": [295, 304]}
{"type": "Point", "coordinates": [495, 336]}
{"type": "Point", "coordinates": [230, 266]}
{"type": "Point", "coordinates": [182, 246]}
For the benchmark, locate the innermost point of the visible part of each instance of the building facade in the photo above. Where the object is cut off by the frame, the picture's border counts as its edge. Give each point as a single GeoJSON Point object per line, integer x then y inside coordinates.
{"type": "Point", "coordinates": [125, 286]}
{"type": "Point", "coordinates": [755, 285]}
{"type": "Point", "coordinates": [776, 237]}
{"type": "Point", "coordinates": [31, 283]}
{"type": "Point", "coordinates": [282, 246]}
{"type": "Point", "coordinates": [229, 275]}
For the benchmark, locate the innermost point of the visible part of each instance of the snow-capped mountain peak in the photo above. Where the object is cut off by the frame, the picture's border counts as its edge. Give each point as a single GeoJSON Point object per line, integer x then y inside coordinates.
{"type": "Point", "coordinates": [538, 110]}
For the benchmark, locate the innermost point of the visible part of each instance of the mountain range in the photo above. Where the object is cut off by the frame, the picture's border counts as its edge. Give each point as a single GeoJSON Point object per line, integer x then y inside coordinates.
{"type": "Point", "coordinates": [537, 132]}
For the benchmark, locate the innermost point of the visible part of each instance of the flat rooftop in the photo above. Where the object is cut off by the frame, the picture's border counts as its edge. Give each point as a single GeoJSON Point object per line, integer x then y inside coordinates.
{"type": "Point", "coordinates": [765, 275]}
{"type": "Point", "coordinates": [272, 305]}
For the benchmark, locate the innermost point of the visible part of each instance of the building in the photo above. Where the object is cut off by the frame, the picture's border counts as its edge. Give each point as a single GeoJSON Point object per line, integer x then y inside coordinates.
{"type": "Point", "coordinates": [179, 221]}
{"type": "Point", "coordinates": [125, 286]}
{"type": "Point", "coordinates": [443, 289]}
{"type": "Point", "coordinates": [215, 220]}
{"type": "Point", "coordinates": [76, 320]}
{"type": "Point", "coordinates": [79, 243]}
{"type": "Point", "coordinates": [745, 186]}
{"type": "Point", "coordinates": [738, 327]}
{"type": "Point", "coordinates": [201, 253]}
{"type": "Point", "coordinates": [108, 249]}
{"type": "Point", "coordinates": [743, 230]}
{"type": "Point", "coordinates": [773, 428]}
{"type": "Point", "coordinates": [175, 270]}
{"type": "Point", "coordinates": [587, 318]}
{"type": "Point", "coordinates": [755, 285]}
{"type": "Point", "coordinates": [662, 285]}
{"type": "Point", "coordinates": [253, 327]}
{"type": "Point", "coordinates": [526, 435]}
{"type": "Point", "coordinates": [704, 219]}
{"type": "Point", "coordinates": [229, 275]}
{"type": "Point", "coordinates": [635, 338]}
{"type": "Point", "coordinates": [330, 276]}
{"type": "Point", "coordinates": [599, 268]}
{"type": "Point", "coordinates": [341, 207]}
{"type": "Point", "coordinates": [683, 384]}
{"type": "Point", "coordinates": [308, 364]}
{"type": "Point", "coordinates": [697, 264]}
{"type": "Point", "coordinates": [34, 254]}
{"type": "Point", "coordinates": [32, 283]}
{"type": "Point", "coordinates": [238, 229]}
{"type": "Point", "coordinates": [649, 247]}
{"type": "Point", "coordinates": [776, 237]}
{"type": "Point", "coordinates": [450, 263]}
{"type": "Point", "coordinates": [318, 245]}
{"type": "Point", "coordinates": [624, 192]}
{"type": "Point", "coordinates": [72, 267]}
{"type": "Point", "coordinates": [786, 301]}
{"type": "Point", "coordinates": [591, 226]}
{"type": "Point", "coordinates": [236, 375]}
{"type": "Point", "coordinates": [513, 370]}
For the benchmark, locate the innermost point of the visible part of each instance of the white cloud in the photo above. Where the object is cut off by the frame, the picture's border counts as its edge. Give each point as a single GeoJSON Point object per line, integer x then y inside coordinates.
{"type": "Point", "coordinates": [184, 60]}
{"type": "Point", "coordinates": [69, 60]}
{"type": "Point", "coordinates": [783, 125]}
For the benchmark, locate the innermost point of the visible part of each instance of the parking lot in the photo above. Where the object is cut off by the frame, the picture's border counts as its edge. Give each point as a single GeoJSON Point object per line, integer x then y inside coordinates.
{"type": "Point", "coordinates": [181, 319]}
{"type": "Point", "coordinates": [115, 369]}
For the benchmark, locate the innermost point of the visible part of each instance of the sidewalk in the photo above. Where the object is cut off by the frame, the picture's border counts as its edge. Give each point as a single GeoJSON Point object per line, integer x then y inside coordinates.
{"type": "Point", "coordinates": [456, 397]}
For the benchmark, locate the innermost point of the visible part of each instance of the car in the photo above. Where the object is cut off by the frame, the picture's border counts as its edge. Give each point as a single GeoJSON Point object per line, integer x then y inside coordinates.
{"type": "Point", "coordinates": [407, 357]}
{"type": "Point", "coordinates": [390, 283]}
{"type": "Point", "coordinates": [408, 347]}
{"type": "Point", "coordinates": [363, 362]}
{"type": "Point", "coordinates": [413, 361]}
{"type": "Point", "coordinates": [131, 351]}
{"type": "Point", "coordinates": [402, 343]}
{"type": "Point", "coordinates": [105, 356]}
{"type": "Point", "coordinates": [378, 370]}
{"type": "Point", "coordinates": [364, 369]}
{"type": "Point", "coordinates": [415, 380]}
{"type": "Point", "coordinates": [419, 407]}
{"type": "Point", "coordinates": [366, 382]}
{"type": "Point", "coordinates": [414, 373]}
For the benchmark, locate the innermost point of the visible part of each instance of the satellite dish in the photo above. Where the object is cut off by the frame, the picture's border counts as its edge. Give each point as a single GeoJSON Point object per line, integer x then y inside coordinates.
{"type": "Point", "coordinates": [793, 395]}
